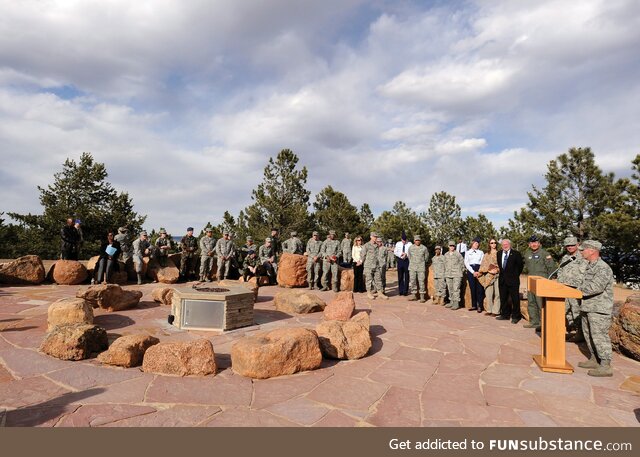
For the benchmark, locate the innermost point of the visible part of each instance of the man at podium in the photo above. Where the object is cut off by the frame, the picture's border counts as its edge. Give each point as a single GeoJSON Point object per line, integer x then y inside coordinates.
{"type": "Point", "coordinates": [596, 310]}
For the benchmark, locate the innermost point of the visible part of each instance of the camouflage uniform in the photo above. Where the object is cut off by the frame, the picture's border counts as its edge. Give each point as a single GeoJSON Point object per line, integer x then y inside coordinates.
{"type": "Point", "coordinates": [439, 278]}
{"type": "Point", "coordinates": [189, 246]}
{"type": "Point", "coordinates": [391, 258]}
{"type": "Point", "coordinates": [163, 254]}
{"type": "Point", "coordinates": [571, 275]}
{"type": "Point", "coordinates": [453, 271]}
{"type": "Point", "coordinates": [597, 308]}
{"type": "Point", "coordinates": [264, 254]}
{"type": "Point", "coordinates": [293, 246]}
{"type": "Point", "coordinates": [251, 261]}
{"type": "Point", "coordinates": [313, 250]}
{"type": "Point", "coordinates": [139, 248]}
{"type": "Point", "coordinates": [125, 243]}
{"type": "Point", "coordinates": [330, 251]}
{"type": "Point", "coordinates": [383, 260]}
{"type": "Point", "coordinates": [372, 278]}
{"type": "Point", "coordinates": [224, 248]}
{"type": "Point", "coordinates": [418, 259]}
{"type": "Point", "coordinates": [207, 252]}
{"type": "Point", "coordinates": [538, 263]}
{"type": "Point", "coordinates": [345, 246]}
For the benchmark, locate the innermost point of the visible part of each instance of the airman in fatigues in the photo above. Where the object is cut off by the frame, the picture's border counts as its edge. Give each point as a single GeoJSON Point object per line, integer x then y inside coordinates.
{"type": "Point", "coordinates": [207, 253]}
{"type": "Point", "coordinates": [391, 258]}
{"type": "Point", "coordinates": [596, 309]}
{"type": "Point", "coordinates": [418, 259]}
{"type": "Point", "coordinates": [346, 248]}
{"type": "Point", "coordinates": [453, 272]}
{"type": "Point", "coordinates": [370, 259]}
{"type": "Point", "coordinates": [141, 249]}
{"type": "Point", "coordinates": [571, 273]}
{"type": "Point", "coordinates": [125, 243]}
{"type": "Point", "coordinates": [162, 247]}
{"type": "Point", "coordinates": [189, 246]}
{"type": "Point", "coordinates": [225, 251]}
{"type": "Point", "coordinates": [314, 245]}
{"type": "Point", "coordinates": [293, 245]}
{"type": "Point", "coordinates": [251, 266]}
{"type": "Point", "coordinates": [538, 263]}
{"type": "Point", "coordinates": [383, 259]}
{"type": "Point", "coordinates": [330, 251]}
{"type": "Point", "coordinates": [439, 277]}
{"type": "Point", "coordinates": [267, 258]}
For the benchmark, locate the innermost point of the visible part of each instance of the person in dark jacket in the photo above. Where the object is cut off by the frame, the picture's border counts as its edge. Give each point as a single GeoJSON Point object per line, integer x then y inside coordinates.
{"type": "Point", "coordinates": [510, 266]}
{"type": "Point", "coordinates": [70, 241]}
{"type": "Point", "coordinates": [108, 262]}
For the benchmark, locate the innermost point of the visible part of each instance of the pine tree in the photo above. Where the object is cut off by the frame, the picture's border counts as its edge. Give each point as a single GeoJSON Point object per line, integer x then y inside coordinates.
{"type": "Point", "coordinates": [366, 220]}
{"type": "Point", "coordinates": [443, 217]}
{"type": "Point", "coordinates": [479, 227]}
{"type": "Point", "coordinates": [333, 211]}
{"type": "Point", "coordinates": [401, 218]}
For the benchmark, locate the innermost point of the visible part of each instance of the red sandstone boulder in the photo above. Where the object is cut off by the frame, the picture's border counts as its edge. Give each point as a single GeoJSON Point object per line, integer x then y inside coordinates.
{"type": "Point", "coordinates": [249, 285]}
{"type": "Point", "coordinates": [128, 351]}
{"type": "Point", "coordinates": [346, 279]}
{"type": "Point", "coordinates": [69, 272]}
{"type": "Point", "coordinates": [69, 311]}
{"type": "Point", "coordinates": [276, 353]}
{"type": "Point", "coordinates": [341, 308]}
{"type": "Point", "coordinates": [75, 341]}
{"type": "Point", "coordinates": [92, 266]}
{"type": "Point", "coordinates": [24, 270]}
{"type": "Point", "coordinates": [163, 295]}
{"type": "Point", "coordinates": [179, 358]}
{"type": "Point", "coordinates": [298, 302]}
{"type": "Point", "coordinates": [292, 270]}
{"type": "Point", "coordinates": [168, 274]}
{"type": "Point", "coordinates": [130, 268]}
{"type": "Point", "coordinates": [431, 285]}
{"type": "Point", "coordinates": [111, 297]}
{"type": "Point", "coordinates": [625, 330]}
{"type": "Point", "coordinates": [345, 340]}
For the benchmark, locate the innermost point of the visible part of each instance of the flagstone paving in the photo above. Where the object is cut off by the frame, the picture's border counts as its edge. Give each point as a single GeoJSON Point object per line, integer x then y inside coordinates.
{"type": "Point", "coordinates": [429, 366]}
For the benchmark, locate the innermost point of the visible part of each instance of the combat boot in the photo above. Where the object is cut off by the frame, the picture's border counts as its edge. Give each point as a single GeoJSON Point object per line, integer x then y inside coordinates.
{"type": "Point", "coordinates": [449, 305]}
{"type": "Point", "coordinates": [455, 306]}
{"type": "Point", "coordinates": [422, 300]}
{"type": "Point", "coordinates": [413, 297]}
{"type": "Point", "coordinates": [139, 278]}
{"type": "Point", "coordinates": [591, 363]}
{"type": "Point", "coordinates": [383, 296]}
{"type": "Point", "coordinates": [324, 289]}
{"type": "Point", "coordinates": [603, 370]}
{"type": "Point", "coordinates": [370, 296]}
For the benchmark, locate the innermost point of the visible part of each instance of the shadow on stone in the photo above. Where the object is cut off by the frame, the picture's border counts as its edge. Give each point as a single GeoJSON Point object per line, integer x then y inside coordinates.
{"type": "Point", "coordinates": [377, 330]}
{"type": "Point", "coordinates": [223, 361]}
{"type": "Point", "coordinates": [637, 413]}
{"type": "Point", "coordinates": [264, 316]}
{"type": "Point", "coordinates": [113, 321]}
{"type": "Point", "coordinates": [18, 329]}
{"type": "Point", "coordinates": [30, 416]}
{"type": "Point", "coordinates": [147, 305]}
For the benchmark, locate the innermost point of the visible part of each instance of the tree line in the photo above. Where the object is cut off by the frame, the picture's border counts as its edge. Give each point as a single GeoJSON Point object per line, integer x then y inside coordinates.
{"type": "Point", "coordinates": [578, 198]}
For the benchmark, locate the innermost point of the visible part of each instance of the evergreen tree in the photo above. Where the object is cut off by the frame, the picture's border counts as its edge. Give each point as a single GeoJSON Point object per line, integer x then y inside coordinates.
{"type": "Point", "coordinates": [281, 200]}
{"type": "Point", "coordinates": [443, 218]}
{"type": "Point", "coordinates": [480, 227]}
{"type": "Point", "coordinates": [333, 211]}
{"type": "Point", "coordinates": [80, 191]}
{"type": "Point", "coordinates": [366, 220]}
{"type": "Point", "coordinates": [391, 224]}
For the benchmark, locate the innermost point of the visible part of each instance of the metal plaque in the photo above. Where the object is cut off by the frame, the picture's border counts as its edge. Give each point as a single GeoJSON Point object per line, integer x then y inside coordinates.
{"type": "Point", "coordinates": [201, 314]}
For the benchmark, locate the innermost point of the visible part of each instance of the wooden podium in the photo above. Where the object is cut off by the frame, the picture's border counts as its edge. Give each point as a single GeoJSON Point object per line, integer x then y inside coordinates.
{"type": "Point", "coordinates": [552, 320]}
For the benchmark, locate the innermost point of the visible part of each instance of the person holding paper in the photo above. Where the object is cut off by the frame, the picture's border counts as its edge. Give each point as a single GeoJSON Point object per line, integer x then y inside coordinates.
{"type": "Point", "coordinates": [108, 262]}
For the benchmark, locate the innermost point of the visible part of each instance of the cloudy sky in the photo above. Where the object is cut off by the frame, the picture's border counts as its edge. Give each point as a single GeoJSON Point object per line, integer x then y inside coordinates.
{"type": "Point", "coordinates": [185, 101]}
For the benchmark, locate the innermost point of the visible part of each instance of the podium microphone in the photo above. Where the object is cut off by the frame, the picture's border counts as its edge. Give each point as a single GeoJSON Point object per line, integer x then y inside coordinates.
{"type": "Point", "coordinates": [562, 265]}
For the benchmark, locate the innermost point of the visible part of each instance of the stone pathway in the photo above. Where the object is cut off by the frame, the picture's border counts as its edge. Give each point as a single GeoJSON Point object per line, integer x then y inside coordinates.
{"type": "Point", "coordinates": [429, 366]}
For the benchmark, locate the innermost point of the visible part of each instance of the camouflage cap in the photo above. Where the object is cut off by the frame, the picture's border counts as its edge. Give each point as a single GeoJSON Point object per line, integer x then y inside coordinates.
{"type": "Point", "coordinates": [268, 240]}
{"type": "Point", "coordinates": [209, 229]}
{"type": "Point", "coordinates": [570, 241]}
{"type": "Point", "coordinates": [123, 230]}
{"type": "Point", "coordinates": [225, 232]}
{"type": "Point", "coordinates": [144, 232]}
{"type": "Point", "coordinates": [162, 231]}
{"type": "Point", "coordinates": [294, 233]}
{"type": "Point", "coordinates": [591, 244]}
{"type": "Point", "coordinates": [249, 238]}
{"type": "Point", "coordinates": [346, 234]}
{"type": "Point", "coordinates": [389, 240]}
{"type": "Point", "coordinates": [315, 233]}
{"type": "Point", "coordinates": [374, 234]}
{"type": "Point", "coordinates": [439, 248]}
{"type": "Point", "coordinates": [332, 232]}
{"type": "Point", "coordinates": [417, 238]}
{"type": "Point", "coordinates": [452, 243]}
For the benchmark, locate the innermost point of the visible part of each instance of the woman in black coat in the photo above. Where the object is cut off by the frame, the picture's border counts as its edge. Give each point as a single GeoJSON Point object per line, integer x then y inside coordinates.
{"type": "Point", "coordinates": [109, 253]}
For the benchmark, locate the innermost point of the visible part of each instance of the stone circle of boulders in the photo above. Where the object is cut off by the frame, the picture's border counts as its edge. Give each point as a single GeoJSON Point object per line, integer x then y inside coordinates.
{"type": "Point", "coordinates": [128, 351]}
{"type": "Point", "coordinates": [69, 272]}
{"type": "Point", "coordinates": [180, 358]}
{"type": "Point", "coordinates": [625, 329]}
{"type": "Point", "coordinates": [24, 270]}
{"type": "Point", "coordinates": [111, 297]}
{"type": "Point", "coordinates": [345, 340]}
{"type": "Point", "coordinates": [163, 295]}
{"type": "Point", "coordinates": [298, 302]}
{"type": "Point", "coordinates": [249, 285]}
{"type": "Point", "coordinates": [75, 341]}
{"type": "Point", "coordinates": [292, 270]}
{"type": "Point", "coordinates": [278, 352]}
{"type": "Point", "coordinates": [341, 307]}
{"type": "Point", "coordinates": [69, 311]}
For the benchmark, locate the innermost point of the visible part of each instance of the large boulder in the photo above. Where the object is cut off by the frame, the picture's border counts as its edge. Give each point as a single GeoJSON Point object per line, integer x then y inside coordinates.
{"type": "Point", "coordinates": [347, 278]}
{"type": "Point", "coordinates": [69, 311]}
{"type": "Point", "coordinates": [168, 274]}
{"type": "Point", "coordinates": [75, 341]}
{"type": "Point", "coordinates": [431, 286]}
{"type": "Point", "coordinates": [341, 307]}
{"type": "Point", "coordinates": [345, 340]}
{"type": "Point", "coordinates": [298, 302]}
{"type": "Point", "coordinates": [24, 270]}
{"type": "Point", "coordinates": [111, 297]}
{"type": "Point", "coordinates": [130, 268]}
{"type": "Point", "coordinates": [120, 276]}
{"type": "Point", "coordinates": [163, 295]}
{"type": "Point", "coordinates": [128, 351]}
{"type": "Point", "coordinates": [92, 266]}
{"type": "Point", "coordinates": [180, 358]}
{"type": "Point", "coordinates": [283, 351]}
{"type": "Point", "coordinates": [249, 285]}
{"type": "Point", "coordinates": [625, 330]}
{"type": "Point", "coordinates": [69, 272]}
{"type": "Point", "coordinates": [264, 281]}
{"type": "Point", "coordinates": [292, 270]}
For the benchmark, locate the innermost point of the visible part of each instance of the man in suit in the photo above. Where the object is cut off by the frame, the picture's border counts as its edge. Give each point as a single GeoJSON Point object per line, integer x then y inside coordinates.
{"type": "Point", "coordinates": [510, 265]}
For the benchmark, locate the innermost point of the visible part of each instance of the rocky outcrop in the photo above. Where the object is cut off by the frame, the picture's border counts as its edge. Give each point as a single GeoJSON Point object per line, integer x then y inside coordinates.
{"type": "Point", "coordinates": [298, 302]}
{"type": "Point", "coordinates": [69, 311]}
{"type": "Point", "coordinates": [75, 342]}
{"type": "Point", "coordinates": [345, 340]}
{"type": "Point", "coordinates": [128, 351]}
{"type": "Point", "coordinates": [625, 330]}
{"type": "Point", "coordinates": [346, 278]}
{"type": "Point", "coordinates": [24, 270]}
{"type": "Point", "coordinates": [163, 295]}
{"type": "Point", "coordinates": [341, 307]}
{"type": "Point", "coordinates": [279, 352]}
{"type": "Point", "coordinates": [180, 358]}
{"type": "Point", "coordinates": [168, 274]}
{"type": "Point", "coordinates": [69, 272]}
{"type": "Point", "coordinates": [292, 270]}
{"type": "Point", "coordinates": [111, 297]}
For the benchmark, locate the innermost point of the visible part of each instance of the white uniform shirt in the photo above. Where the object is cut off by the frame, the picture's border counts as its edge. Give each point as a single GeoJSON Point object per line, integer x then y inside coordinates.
{"type": "Point", "coordinates": [398, 249]}
{"type": "Point", "coordinates": [473, 257]}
